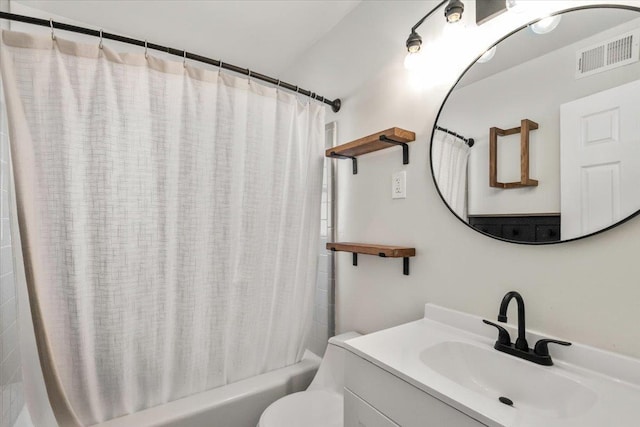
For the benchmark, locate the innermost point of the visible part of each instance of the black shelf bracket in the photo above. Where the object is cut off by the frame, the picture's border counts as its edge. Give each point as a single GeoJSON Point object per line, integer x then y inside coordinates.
{"type": "Point", "coordinates": [405, 148]}
{"type": "Point", "coordinates": [405, 260]}
{"type": "Point", "coordinates": [405, 263]}
{"type": "Point", "coordinates": [340, 156]}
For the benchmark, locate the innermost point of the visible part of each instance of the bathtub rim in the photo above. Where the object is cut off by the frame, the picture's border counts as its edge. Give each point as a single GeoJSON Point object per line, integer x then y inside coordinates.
{"type": "Point", "coordinates": [172, 413]}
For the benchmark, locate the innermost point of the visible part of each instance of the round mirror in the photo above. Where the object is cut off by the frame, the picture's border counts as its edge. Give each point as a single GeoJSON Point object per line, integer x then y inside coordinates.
{"type": "Point", "coordinates": [539, 140]}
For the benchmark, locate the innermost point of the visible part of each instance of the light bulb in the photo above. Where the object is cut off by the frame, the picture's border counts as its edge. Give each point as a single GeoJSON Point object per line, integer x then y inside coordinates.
{"type": "Point", "coordinates": [487, 56]}
{"type": "Point", "coordinates": [453, 11]}
{"type": "Point", "coordinates": [454, 17]}
{"type": "Point", "coordinates": [414, 42]}
{"type": "Point", "coordinates": [546, 25]}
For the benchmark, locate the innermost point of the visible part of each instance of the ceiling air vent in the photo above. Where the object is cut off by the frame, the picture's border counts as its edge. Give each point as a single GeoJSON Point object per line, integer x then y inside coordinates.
{"type": "Point", "coordinates": [609, 54]}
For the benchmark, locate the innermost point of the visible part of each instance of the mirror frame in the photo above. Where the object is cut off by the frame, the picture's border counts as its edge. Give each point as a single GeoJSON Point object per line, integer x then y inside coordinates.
{"type": "Point", "coordinates": [433, 131]}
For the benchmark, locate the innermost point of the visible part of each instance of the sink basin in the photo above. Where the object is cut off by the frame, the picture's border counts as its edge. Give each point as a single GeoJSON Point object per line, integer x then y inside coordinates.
{"type": "Point", "coordinates": [449, 356]}
{"type": "Point", "coordinates": [532, 388]}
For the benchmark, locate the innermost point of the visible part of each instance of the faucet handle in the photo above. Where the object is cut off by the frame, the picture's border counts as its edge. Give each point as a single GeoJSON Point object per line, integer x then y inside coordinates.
{"type": "Point", "coordinates": [541, 348]}
{"type": "Point", "coordinates": [503, 334]}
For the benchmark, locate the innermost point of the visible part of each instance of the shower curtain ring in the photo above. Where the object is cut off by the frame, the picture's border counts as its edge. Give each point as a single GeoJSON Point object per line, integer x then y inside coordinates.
{"type": "Point", "coordinates": [184, 60]}
{"type": "Point", "coordinates": [146, 53]}
{"type": "Point", "coordinates": [53, 36]}
{"type": "Point", "coordinates": [101, 45]}
{"type": "Point", "coordinates": [249, 75]}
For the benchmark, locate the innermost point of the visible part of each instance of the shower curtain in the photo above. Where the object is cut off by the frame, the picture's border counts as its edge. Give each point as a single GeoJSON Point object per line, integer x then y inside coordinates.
{"type": "Point", "coordinates": [168, 218]}
{"type": "Point", "coordinates": [449, 162]}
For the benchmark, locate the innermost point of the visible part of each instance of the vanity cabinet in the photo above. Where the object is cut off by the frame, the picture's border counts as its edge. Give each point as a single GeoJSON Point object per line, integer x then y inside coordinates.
{"type": "Point", "coordinates": [359, 413]}
{"type": "Point", "coordinates": [377, 398]}
{"type": "Point", "coordinates": [519, 228]}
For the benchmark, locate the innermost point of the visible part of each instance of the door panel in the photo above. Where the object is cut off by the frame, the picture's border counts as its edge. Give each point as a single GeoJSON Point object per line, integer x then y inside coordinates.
{"type": "Point", "coordinates": [599, 160]}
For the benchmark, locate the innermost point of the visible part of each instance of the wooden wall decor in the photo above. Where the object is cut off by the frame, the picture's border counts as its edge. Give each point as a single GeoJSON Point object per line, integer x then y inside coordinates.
{"type": "Point", "coordinates": [526, 126]}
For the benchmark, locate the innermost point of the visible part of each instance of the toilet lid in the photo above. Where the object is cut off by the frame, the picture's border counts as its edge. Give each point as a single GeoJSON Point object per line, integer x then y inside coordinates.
{"type": "Point", "coordinates": [318, 408]}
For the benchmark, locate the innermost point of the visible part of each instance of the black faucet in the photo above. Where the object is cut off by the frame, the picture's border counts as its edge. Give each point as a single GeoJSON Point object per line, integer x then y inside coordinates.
{"type": "Point", "coordinates": [540, 352]}
{"type": "Point", "coordinates": [521, 342]}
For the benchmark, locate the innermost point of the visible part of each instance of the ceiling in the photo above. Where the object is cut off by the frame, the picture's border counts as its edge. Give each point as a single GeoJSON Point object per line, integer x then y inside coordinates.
{"type": "Point", "coordinates": [525, 45]}
{"type": "Point", "coordinates": [265, 36]}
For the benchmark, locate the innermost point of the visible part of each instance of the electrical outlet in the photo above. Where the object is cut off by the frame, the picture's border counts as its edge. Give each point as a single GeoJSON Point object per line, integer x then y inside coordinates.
{"type": "Point", "coordinates": [399, 185]}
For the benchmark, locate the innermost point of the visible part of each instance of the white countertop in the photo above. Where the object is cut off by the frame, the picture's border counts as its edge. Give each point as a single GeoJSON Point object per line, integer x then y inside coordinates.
{"type": "Point", "coordinates": [614, 379]}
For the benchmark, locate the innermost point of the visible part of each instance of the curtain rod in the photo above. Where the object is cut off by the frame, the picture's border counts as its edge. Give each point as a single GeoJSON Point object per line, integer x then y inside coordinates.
{"type": "Point", "coordinates": [468, 141]}
{"type": "Point", "coordinates": [335, 104]}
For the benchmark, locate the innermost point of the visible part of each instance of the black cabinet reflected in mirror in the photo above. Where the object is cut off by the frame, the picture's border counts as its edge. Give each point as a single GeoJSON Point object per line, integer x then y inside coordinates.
{"type": "Point", "coordinates": [577, 75]}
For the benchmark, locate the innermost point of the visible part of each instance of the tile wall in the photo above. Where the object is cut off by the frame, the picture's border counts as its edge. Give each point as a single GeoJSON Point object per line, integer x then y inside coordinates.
{"type": "Point", "coordinates": [11, 390]}
{"type": "Point", "coordinates": [324, 318]}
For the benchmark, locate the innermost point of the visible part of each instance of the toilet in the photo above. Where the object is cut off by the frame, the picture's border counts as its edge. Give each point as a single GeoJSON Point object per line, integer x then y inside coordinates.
{"type": "Point", "coordinates": [321, 405]}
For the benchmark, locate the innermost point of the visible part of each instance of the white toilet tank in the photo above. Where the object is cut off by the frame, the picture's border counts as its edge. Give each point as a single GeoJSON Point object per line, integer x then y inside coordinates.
{"type": "Point", "coordinates": [330, 375]}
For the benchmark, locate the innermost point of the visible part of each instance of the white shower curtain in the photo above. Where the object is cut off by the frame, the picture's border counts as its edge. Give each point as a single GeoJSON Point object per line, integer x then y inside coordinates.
{"type": "Point", "coordinates": [169, 222]}
{"type": "Point", "coordinates": [449, 161]}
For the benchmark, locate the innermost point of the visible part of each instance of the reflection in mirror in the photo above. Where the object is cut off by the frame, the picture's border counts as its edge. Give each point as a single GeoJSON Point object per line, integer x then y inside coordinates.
{"type": "Point", "coordinates": [580, 83]}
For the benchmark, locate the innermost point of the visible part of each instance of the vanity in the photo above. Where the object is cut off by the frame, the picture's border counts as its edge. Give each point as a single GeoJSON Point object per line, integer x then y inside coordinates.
{"type": "Point", "coordinates": [443, 370]}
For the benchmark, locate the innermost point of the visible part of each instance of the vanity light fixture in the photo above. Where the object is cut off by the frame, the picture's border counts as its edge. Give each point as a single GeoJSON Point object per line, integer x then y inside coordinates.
{"type": "Point", "coordinates": [546, 25]}
{"type": "Point", "coordinates": [453, 11]}
{"type": "Point", "coordinates": [414, 42]}
{"type": "Point", "coordinates": [453, 14]}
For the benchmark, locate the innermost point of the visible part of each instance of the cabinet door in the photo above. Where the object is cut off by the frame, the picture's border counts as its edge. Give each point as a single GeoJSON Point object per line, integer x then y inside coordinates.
{"type": "Point", "coordinates": [398, 400]}
{"type": "Point", "coordinates": [358, 413]}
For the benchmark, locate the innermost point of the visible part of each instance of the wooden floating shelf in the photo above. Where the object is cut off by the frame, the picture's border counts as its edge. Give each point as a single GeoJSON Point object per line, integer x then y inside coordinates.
{"type": "Point", "coordinates": [370, 249]}
{"type": "Point", "coordinates": [372, 143]}
{"type": "Point", "coordinates": [378, 141]}
{"type": "Point", "coordinates": [383, 251]}
{"type": "Point", "coordinates": [507, 185]}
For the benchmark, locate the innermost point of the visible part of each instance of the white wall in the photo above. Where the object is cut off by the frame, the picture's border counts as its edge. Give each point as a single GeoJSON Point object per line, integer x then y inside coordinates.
{"type": "Point", "coordinates": [585, 291]}
{"type": "Point", "coordinates": [533, 90]}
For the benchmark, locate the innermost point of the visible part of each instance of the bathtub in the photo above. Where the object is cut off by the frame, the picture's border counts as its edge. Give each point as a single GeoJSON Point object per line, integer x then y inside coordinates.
{"type": "Point", "coordinates": [235, 405]}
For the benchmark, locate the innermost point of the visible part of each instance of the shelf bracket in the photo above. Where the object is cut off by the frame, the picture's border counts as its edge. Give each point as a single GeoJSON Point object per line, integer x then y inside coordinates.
{"type": "Point", "coordinates": [340, 156]}
{"type": "Point", "coordinates": [354, 256]}
{"type": "Point", "coordinates": [383, 251]}
{"type": "Point", "coordinates": [405, 148]}
{"type": "Point", "coordinates": [405, 263]}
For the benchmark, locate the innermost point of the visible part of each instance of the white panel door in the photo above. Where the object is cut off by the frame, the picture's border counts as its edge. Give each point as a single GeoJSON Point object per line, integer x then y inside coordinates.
{"type": "Point", "coordinates": [599, 160]}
